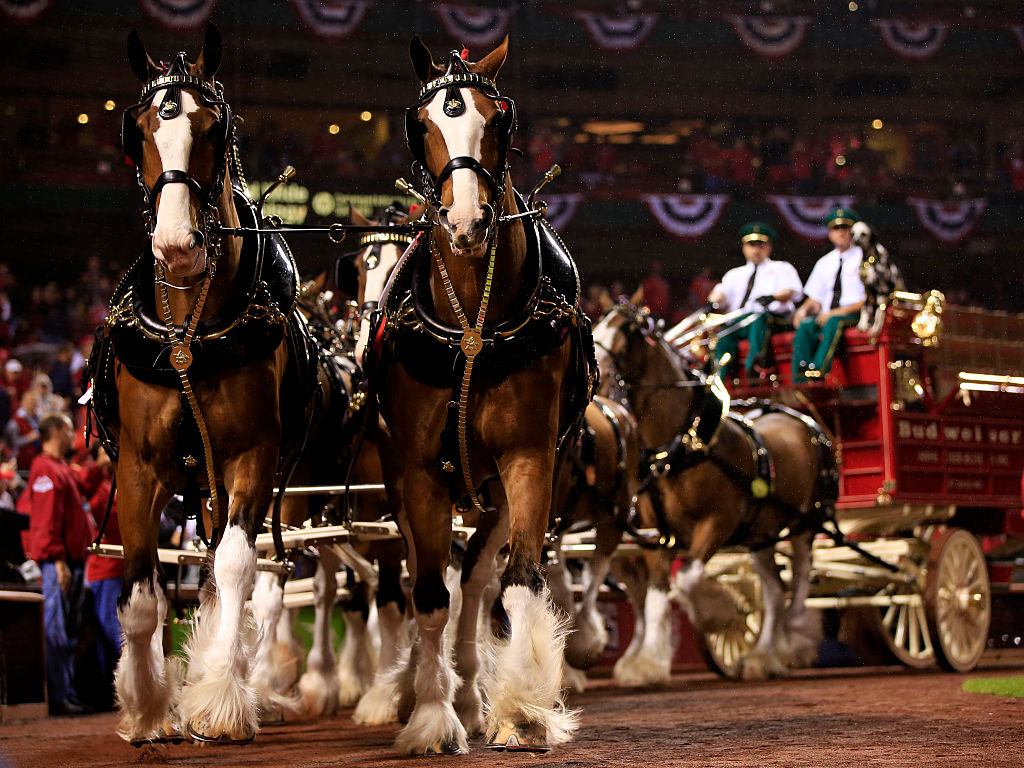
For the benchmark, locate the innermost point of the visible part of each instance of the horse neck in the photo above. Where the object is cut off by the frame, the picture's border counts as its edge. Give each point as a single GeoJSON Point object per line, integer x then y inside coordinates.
{"type": "Point", "coordinates": [183, 302]}
{"type": "Point", "coordinates": [659, 405]}
{"type": "Point", "coordinates": [468, 275]}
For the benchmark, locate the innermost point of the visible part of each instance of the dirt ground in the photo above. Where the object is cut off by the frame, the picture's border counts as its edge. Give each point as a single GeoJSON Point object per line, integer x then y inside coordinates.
{"type": "Point", "coordinates": [876, 716]}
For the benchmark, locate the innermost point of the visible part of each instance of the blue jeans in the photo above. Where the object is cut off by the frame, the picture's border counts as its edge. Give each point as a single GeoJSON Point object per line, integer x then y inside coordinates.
{"type": "Point", "coordinates": [62, 616]}
{"type": "Point", "coordinates": [105, 593]}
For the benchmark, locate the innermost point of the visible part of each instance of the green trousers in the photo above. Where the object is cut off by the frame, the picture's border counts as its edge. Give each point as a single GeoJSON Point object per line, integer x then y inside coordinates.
{"type": "Point", "coordinates": [814, 346]}
{"type": "Point", "coordinates": [756, 335]}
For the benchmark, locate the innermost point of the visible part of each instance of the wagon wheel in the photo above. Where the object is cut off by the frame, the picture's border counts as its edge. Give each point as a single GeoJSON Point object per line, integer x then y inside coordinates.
{"type": "Point", "coordinates": [723, 649]}
{"type": "Point", "coordinates": [957, 599]}
{"type": "Point", "coordinates": [903, 626]}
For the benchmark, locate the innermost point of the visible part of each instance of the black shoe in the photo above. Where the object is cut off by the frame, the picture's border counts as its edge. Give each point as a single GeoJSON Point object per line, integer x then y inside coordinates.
{"type": "Point", "coordinates": [68, 709]}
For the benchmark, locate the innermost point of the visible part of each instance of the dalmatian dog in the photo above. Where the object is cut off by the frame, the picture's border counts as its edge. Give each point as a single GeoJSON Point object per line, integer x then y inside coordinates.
{"type": "Point", "coordinates": [881, 277]}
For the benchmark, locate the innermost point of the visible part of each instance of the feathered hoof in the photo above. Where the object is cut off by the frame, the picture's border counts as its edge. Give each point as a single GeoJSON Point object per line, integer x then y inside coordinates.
{"type": "Point", "coordinates": [443, 748]}
{"type": "Point", "coordinates": [521, 737]}
{"type": "Point", "coordinates": [234, 738]}
{"type": "Point", "coordinates": [757, 666]}
{"type": "Point", "coordinates": [166, 734]}
{"type": "Point", "coordinates": [271, 717]}
{"type": "Point", "coordinates": [573, 679]}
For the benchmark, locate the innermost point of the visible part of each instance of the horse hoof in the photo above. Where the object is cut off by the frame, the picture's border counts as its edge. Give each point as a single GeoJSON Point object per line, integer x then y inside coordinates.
{"type": "Point", "coordinates": [169, 736]}
{"type": "Point", "coordinates": [442, 748]}
{"type": "Point", "coordinates": [525, 737]}
{"type": "Point", "coordinates": [225, 739]}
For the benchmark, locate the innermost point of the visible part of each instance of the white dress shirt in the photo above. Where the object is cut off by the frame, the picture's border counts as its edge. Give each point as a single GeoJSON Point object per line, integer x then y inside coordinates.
{"type": "Point", "coordinates": [822, 281]}
{"type": "Point", "coordinates": [772, 277]}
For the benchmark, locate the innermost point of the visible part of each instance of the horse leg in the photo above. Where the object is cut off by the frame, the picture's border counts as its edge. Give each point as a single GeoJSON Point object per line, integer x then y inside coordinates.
{"type": "Point", "coordinates": [560, 586]}
{"type": "Point", "coordinates": [358, 659]}
{"type": "Point", "coordinates": [318, 686]}
{"type": "Point", "coordinates": [477, 571]}
{"type": "Point", "coordinates": [651, 664]}
{"type": "Point", "coordinates": [380, 703]}
{"type": "Point", "coordinates": [275, 666]}
{"type": "Point", "coordinates": [218, 701]}
{"type": "Point", "coordinates": [633, 575]}
{"type": "Point", "coordinates": [433, 726]}
{"type": "Point", "coordinates": [764, 660]}
{"type": "Point", "coordinates": [145, 681]}
{"type": "Point", "coordinates": [525, 707]}
{"type": "Point", "coordinates": [802, 628]}
{"type": "Point", "coordinates": [585, 646]}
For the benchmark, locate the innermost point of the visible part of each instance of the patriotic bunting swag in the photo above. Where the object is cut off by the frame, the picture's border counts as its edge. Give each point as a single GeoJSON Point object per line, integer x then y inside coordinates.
{"type": "Point", "coordinates": [180, 15]}
{"type": "Point", "coordinates": [561, 209]}
{"type": "Point", "coordinates": [949, 222]}
{"type": "Point", "coordinates": [332, 19]}
{"type": "Point", "coordinates": [913, 40]}
{"type": "Point", "coordinates": [770, 37]}
{"type": "Point", "coordinates": [24, 10]}
{"type": "Point", "coordinates": [687, 216]}
{"type": "Point", "coordinates": [474, 26]}
{"type": "Point", "coordinates": [617, 33]}
{"type": "Point", "coordinates": [806, 215]}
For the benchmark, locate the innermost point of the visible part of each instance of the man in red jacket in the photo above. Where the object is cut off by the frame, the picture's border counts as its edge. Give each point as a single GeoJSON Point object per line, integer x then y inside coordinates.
{"type": "Point", "coordinates": [59, 534]}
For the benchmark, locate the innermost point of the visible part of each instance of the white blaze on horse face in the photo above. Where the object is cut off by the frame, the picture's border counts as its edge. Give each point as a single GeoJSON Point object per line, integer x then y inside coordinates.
{"type": "Point", "coordinates": [604, 341]}
{"type": "Point", "coordinates": [173, 235]}
{"type": "Point", "coordinates": [376, 280]}
{"type": "Point", "coordinates": [463, 137]}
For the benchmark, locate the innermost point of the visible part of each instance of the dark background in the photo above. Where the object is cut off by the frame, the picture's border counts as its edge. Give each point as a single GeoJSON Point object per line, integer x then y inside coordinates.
{"type": "Point", "coordinates": [953, 124]}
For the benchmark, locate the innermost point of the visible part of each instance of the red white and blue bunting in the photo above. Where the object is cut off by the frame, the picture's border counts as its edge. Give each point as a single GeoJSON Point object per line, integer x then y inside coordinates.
{"type": "Point", "coordinates": [561, 209]}
{"type": "Point", "coordinates": [771, 37]}
{"type": "Point", "coordinates": [474, 26]}
{"type": "Point", "coordinates": [180, 15]}
{"type": "Point", "coordinates": [617, 33]}
{"type": "Point", "coordinates": [332, 19]}
{"type": "Point", "coordinates": [948, 221]}
{"type": "Point", "coordinates": [1018, 34]}
{"type": "Point", "coordinates": [24, 10]}
{"type": "Point", "coordinates": [913, 40]}
{"type": "Point", "coordinates": [687, 216]}
{"type": "Point", "coordinates": [806, 215]}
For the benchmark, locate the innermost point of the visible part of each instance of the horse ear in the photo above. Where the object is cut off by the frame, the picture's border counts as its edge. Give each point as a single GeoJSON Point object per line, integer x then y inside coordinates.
{"type": "Point", "coordinates": [489, 65]}
{"type": "Point", "coordinates": [209, 58]}
{"type": "Point", "coordinates": [357, 217]}
{"type": "Point", "coordinates": [423, 62]}
{"type": "Point", "coordinates": [142, 66]}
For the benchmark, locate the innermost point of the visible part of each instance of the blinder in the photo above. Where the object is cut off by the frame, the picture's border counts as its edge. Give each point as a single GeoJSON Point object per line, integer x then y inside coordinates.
{"type": "Point", "coordinates": [211, 95]}
{"type": "Point", "coordinates": [458, 76]}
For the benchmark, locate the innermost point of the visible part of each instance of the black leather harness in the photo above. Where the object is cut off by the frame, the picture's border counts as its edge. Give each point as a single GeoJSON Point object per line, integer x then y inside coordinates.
{"type": "Point", "coordinates": [250, 327]}
{"type": "Point", "coordinates": [406, 330]}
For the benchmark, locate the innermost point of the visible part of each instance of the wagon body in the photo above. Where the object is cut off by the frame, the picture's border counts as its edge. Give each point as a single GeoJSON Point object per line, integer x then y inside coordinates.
{"type": "Point", "coordinates": [927, 412]}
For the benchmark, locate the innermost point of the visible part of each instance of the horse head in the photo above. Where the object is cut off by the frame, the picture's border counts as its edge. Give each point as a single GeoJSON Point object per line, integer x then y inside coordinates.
{"type": "Point", "coordinates": [459, 133]}
{"type": "Point", "coordinates": [624, 338]}
{"type": "Point", "coordinates": [376, 259]}
{"type": "Point", "coordinates": [177, 136]}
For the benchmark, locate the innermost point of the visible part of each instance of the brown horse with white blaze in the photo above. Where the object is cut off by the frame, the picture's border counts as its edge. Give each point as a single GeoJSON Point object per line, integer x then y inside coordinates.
{"type": "Point", "coordinates": [195, 392]}
{"type": "Point", "coordinates": [484, 370]}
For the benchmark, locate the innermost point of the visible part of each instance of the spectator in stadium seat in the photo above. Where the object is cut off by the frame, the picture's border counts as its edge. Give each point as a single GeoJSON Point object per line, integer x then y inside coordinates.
{"type": "Point", "coordinates": [59, 533]}
{"type": "Point", "coordinates": [765, 288]}
{"type": "Point", "coordinates": [834, 296]}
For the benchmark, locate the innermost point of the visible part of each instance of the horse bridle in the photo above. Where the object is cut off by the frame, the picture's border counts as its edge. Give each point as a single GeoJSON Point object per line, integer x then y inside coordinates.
{"type": "Point", "coordinates": [375, 241]}
{"type": "Point", "coordinates": [211, 94]}
{"type": "Point", "coordinates": [458, 76]}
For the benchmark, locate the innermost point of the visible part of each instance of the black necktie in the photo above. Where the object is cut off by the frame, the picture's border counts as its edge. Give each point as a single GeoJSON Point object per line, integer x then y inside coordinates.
{"type": "Point", "coordinates": [750, 287]}
{"type": "Point", "coordinates": [837, 289]}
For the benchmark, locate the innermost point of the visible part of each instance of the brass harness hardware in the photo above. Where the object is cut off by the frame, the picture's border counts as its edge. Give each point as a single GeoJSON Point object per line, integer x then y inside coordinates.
{"type": "Point", "coordinates": [472, 343]}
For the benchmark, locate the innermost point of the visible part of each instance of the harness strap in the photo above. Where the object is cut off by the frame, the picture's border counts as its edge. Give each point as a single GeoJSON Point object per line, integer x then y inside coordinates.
{"type": "Point", "coordinates": [181, 359]}
{"type": "Point", "coordinates": [472, 343]}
